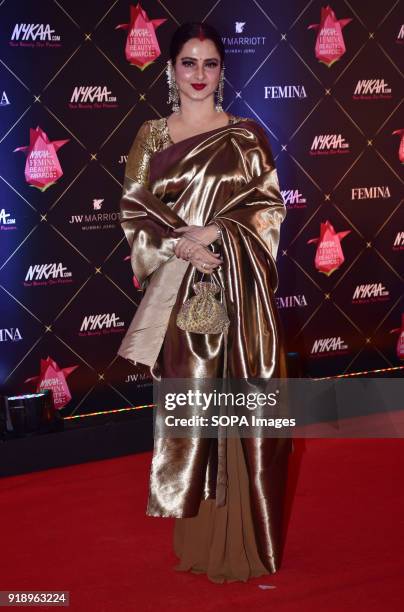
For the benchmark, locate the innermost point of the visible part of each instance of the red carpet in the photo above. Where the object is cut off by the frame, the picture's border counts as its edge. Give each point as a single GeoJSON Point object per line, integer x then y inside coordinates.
{"type": "Point", "coordinates": [83, 529]}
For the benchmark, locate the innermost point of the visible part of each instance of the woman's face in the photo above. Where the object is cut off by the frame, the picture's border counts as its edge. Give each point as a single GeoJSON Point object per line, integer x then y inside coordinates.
{"type": "Point", "coordinates": [197, 69]}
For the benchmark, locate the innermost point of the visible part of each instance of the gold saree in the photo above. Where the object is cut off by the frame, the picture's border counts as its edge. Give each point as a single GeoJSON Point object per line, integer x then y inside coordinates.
{"type": "Point", "coordinates": [228, 176]}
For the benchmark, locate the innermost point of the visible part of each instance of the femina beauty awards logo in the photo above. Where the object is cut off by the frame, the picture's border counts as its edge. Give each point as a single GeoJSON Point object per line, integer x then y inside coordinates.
{"type": "Point", "coordinates": [401, 146]}
{"type": "Point", "coordinates": [42, 167]}
{"type": "Point", "coordinates": [330, 45]}
{"type": "Point", "coordinates": [400, 341]}
{"type": "Point", "coordinates": [142, 47]}
{"type": "Point", "coordinates": [329, 256]}
{"type": "Point", "coordinates": [52, 377]}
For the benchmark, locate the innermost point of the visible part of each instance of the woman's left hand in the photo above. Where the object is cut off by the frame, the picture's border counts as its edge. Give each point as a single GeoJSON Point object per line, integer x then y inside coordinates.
{"type": "Point", "coordinates": [203, 235]}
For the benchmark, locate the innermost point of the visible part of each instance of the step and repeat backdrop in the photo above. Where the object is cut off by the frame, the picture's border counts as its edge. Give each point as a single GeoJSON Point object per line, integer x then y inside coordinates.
{"type": "Point", "coordinates": [76, 82]}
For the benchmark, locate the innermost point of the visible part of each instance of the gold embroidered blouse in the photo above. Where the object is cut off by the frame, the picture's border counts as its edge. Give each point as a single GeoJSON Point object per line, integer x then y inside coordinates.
{"type": "Point", "coordinates": [152, 136]}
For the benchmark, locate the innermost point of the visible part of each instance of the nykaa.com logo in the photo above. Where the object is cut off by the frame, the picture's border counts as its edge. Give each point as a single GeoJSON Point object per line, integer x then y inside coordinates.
{"type": "Point", "coordinates": [293, 199]}
{"type": "Point", "coordinates": [398, 244]}
{"type": "Point", "coordinates": [7, 222]}
{"type": "Point", "coordinates": [372, 89]}
{"type": "Point", "coordinates": [400, 35]}
{"type": "Point", "coordinates": [329, 144]}
{"type": "Point", "coordinates": [324, 347]}
{"type": "Point", "coordinates": [47, 274]}
{"type": "Point", "coordinates": [92, 97]}
{"type": "Point", "coordinates": [101, 324]}
{"type": "Point", "coordinates": [370, 292]}
{"type": "Point", "coordinates": [34, 35]}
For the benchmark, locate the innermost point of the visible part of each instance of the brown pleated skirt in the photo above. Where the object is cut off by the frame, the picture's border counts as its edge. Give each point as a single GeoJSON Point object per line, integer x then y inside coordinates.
{"type": "Point", "coordinates": [220, 541]}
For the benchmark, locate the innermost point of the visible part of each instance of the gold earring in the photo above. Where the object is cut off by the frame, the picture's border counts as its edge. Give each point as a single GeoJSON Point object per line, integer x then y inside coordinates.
{"type": "Point", "coordinates": [173, 95]}
{"type": "Point", "coordinates": [219, 92]}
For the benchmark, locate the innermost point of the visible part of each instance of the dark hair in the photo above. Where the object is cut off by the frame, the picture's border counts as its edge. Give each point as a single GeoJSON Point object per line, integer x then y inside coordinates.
{"type": "Point", "coordinates": [195, 29]}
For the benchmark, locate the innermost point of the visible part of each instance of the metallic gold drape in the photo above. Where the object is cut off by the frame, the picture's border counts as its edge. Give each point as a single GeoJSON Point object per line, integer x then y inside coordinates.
{"type": "Point", "coordinates": [226, 175]}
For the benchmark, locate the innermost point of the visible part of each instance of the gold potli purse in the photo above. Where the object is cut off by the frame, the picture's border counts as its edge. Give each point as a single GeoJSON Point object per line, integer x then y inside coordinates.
{"type": "Point", "coordinates": [203, 313]}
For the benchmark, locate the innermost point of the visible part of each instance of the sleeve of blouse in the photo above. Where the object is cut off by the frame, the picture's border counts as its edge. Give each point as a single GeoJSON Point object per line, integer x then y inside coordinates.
{"type": "Point", "coordinates": [137, 166]}
{"type": "Point", "coordinates": [149, 238]}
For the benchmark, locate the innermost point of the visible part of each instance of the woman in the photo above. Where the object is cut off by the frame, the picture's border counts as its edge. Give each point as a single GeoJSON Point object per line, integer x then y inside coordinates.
{"type": "Point", "coordinates": [201, 194]}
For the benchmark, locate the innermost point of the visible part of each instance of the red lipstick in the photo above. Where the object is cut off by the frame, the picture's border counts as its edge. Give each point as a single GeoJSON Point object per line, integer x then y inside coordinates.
{"type": "Point", "coordinates": [198, 86]}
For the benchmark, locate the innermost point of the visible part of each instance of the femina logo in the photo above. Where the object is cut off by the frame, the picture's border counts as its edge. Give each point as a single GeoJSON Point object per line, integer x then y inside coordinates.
{"type": "Point", "coordinates": [369, 291]}
{"type": "Point", "coordinates": [324, 144]}
{"type": "Point", "coordinates": [285, 91]}
{"type": "Point", "coordinates": [46, 271]}
{"type": "Point", "coordinates": [32, 31]}
{"type": "Point", "coordinates": [291, 301]}
{"type": "Point", "coordinates": [10, 334]}
{"type": "Point", "coordinates": [4, 101]}
{"type": "Point", "coordinates": [100, 321]}
{"type": "Point", "coordinates": [370, 193]}
{"type": "Point", "coordinates": [328, 345]}
{"type": "Point", "coordinates": [90, 94]}
{"type": "Point", "coordinates": [368, 87]}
